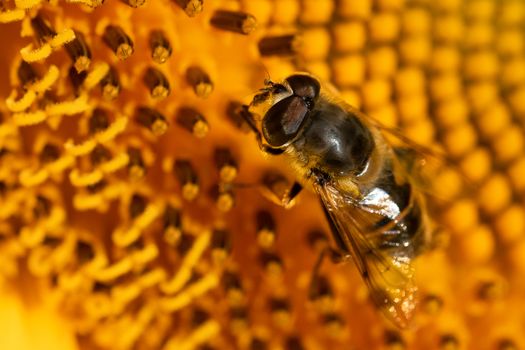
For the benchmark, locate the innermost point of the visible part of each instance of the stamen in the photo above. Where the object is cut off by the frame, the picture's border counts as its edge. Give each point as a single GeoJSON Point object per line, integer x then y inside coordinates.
{"type": "Point", "coordinates": [136, 167]}
{"type": "Point", "coordinates": [77, 79]}
{"type": "Point", "coordinates": [79, 179]}
{"type": "Point", "coordinates": [317, 240]}
{"type": "Point", "coordinates": [116, 128]}
{"type": "Point", "coordinates": [22, 103]}
{"type": "Point", "coordinates": [181, 300]}
{"type": "Point", "coordinates": [49, 153]}
{"type": "Point", "coordinates": [7, 16]}
{"type": "Point", "coordinates": [99, 121]}
{"type": "Point", "coordinates": [69, 107]}
{"type": "Point", "coordinates": [221, 245]}
{"type": "Point", "coordinates": [258, 344]}
{"type": "Point", "coordinates": [31, 178]}
{"type": "Point", "coordinates": [160, 46]}
{"type": "Point", "coordinates": [239, 115]}
{"type": "Point", "coordinates": [188, 179]}
{"type": "Point", "coordinates": [185, 243]}
{"type": "Point", "coordinates": [284, 45]}
{"type": "Point", "coordinates": [62, 38]}
{"type": "Point", "coordinates": [124, 236]}
{"type": "Point", "coordinates": [84, 252]}
{"type": "Point", "coordinates": [48, 98]}
{"type": "Point", "coordinates": [226, 164]}
{"type": "Point", "coordinates": [114, 164]}
{"type": "Point", "coordinates": [449, 342]}
{"type": "Point", "coordinates": [30, 54]}
{"type": "Point", "coordinates": [27, 74]}
{"type": "Point", "coordinates": [172, 224]}
{"type": "Point", "coordinates": [206, 347]}
{"type": "Point", "coordinates": [200, 81]}
{"type": "Point", "coordinates": [321, 294]}
{"type": "Point", "coordinates": [294, 343]}
{"type": "Point", "coordinates": [224, 197]}
{"type": "Point", "coordinates": [99, 155]}
{"type": "Point", "coordinates": [90, 3]}
{"type": "Point", "coordinates": [239, 319]}
{"type": "Point", "coordinates": [152, 277]}
{"type": "Point", "coordinates": [60, 165]}
{"type": "Point", "coordinates": [42, 29]}
{"type": "Point", "coordinates": [272, 263]}
{"type": "Point", "coordinates": [333, 323]}
{"type": "Point", "coordinates": [51, 242]}
{"type": "Point", "coordinates": [238, 22]}
{"type": "Point", "coordinates": [198, 317]}
{"type": "Point", "coordinates": [183, 274]}
{"type": "Point", "coordinates": [265, 229]}
{"type": "Point", "coordinates": [97, 187]}
{"type": "Point", "coordinates": [113, 271]}
{"type": "Point", "coordinates": [205, 332]}
{"type": "Point", "coordinates": [507, 344]}
{"type": "Point", "coordinates": [95, 76]}
{"type": "Point", "coordinates": [491, 290]}
{"type": "Point", "coordinates": [191, 7]}
{"type": "Point", "coordinates": [101, 287]}
{"type": "Point", "coordinates": [137, 245]}
{"type": "Point", "coordinates": [137, 205]}
{"type": "Point", "coordinates": [280, 309]}
{"type": "Point", "coordinates": [193, 121]}
{"type": "Point", "coordinates": [134, 3]}
{"type": "Point", "coordinates": [110, 84]}
{"type": "Point", "coordinates": [157, 83]}
{"type": "Point", "coordinates": [233, 287]}
{"type": "Point", "coordinates": [42, 207]}
{"type": "Point", "coordinates": [432, 304]}
{"type": "Point", "coordinates": [393, 340]}
{"type": "Point", "coordinates": [79, 52]}
{"type": "Point", "coordinates": [152, 120]}
{"type": "Point", "coordinates": [118, 41]}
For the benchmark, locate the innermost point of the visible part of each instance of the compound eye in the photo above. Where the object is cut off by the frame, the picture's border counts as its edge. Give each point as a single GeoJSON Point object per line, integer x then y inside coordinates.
{"type": "Point", "coordinates": [279, 89]}
{"type": "Point", "coordinates": [283, 121]}
{"type": "Point", "coordinates": [304, 86]}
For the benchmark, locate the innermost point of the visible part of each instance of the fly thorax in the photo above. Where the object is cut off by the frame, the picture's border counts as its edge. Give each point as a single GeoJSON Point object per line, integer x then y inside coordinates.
{"type": "Point", "coordinates": [338, 140]}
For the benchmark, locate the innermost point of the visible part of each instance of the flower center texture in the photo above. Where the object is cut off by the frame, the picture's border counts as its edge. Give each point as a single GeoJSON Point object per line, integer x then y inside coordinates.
{"type": "Point", "coordinates": [133, 206]}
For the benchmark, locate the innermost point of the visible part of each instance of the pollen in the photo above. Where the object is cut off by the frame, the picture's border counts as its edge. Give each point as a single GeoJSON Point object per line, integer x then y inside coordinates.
{"type": "Point", "coordinates": [138, 212]}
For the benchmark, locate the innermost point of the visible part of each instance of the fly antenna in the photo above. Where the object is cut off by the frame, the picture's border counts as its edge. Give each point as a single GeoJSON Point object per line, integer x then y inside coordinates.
{"type": "Point", "coordinates": [268, 78]}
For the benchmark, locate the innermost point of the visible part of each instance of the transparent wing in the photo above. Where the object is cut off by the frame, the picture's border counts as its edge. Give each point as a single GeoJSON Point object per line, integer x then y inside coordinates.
{"type": "Point", "coordinates": [387, 270]}
{"type": "Point", "coordinates": [397, 139]}
{"type": "Point", "coordinates": [418, 163]}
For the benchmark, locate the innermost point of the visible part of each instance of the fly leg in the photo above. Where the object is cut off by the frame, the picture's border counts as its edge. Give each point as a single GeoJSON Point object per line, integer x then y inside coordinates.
{"type": "Point", "coordinates": [273, 183]}
{"type": "Point", "coordinates": [319, 286]}
{"type": "Point", "coordinates": [294, 191]}
{"type": "Point", "coordinates": [278, 189]}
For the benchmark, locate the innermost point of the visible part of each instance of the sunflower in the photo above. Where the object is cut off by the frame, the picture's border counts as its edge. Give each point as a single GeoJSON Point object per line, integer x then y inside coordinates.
{"type": "Point", "coordinates": [131, 206]}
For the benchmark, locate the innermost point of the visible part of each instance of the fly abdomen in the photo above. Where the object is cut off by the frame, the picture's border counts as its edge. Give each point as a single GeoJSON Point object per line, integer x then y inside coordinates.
{"type": "Point", "coordinates": [403, 234]}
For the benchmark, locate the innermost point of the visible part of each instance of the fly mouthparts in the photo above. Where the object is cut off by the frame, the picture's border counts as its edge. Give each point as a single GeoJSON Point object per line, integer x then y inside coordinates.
{"type": "Point", "coordinates": [248, 116]}
{"type": "Point", "coordinates": [260, 97]}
